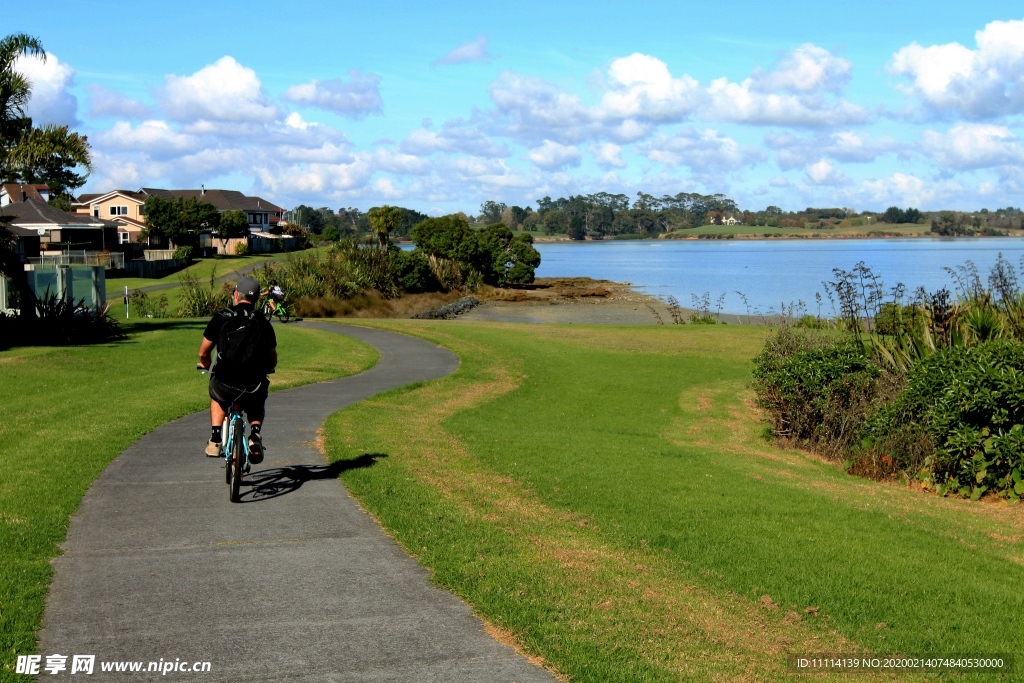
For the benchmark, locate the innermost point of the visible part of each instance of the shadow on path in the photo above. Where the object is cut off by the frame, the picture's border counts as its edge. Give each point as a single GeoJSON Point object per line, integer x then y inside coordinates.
{"type": "Point", "coordinates": [280, 481]}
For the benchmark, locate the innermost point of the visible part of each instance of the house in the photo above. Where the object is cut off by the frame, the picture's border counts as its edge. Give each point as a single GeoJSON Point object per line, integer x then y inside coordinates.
{"type": "Point", "coordinates": [16, 192]}
{"type": "Point", "coordinates": [42, 230]}
{"type": "Point", "coordinates": [262, 215]}
{"type": "Point", "coordinates": [123, 207]}
{"type": "Point", "coordinates": [731, 220]}
{"type": "Point", "coordinates": [127, 208]}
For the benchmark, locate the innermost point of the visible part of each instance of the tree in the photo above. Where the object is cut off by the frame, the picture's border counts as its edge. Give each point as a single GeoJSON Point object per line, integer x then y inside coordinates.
{"type": "Point", "coordinates": [384, 220]}
{"type": "Point", "coordinates": [51, 155]}
{"type": "Point", "coordinates": [233, 224]}
{"type": "Point", "coordinates": [180, 220]}
{"type": "Point", "coordinates": [15, 90]}
{"type": "Point", "coordinates": [308, 217]}
{"type": "Point", "coordinates": [490, 211]}
{"type": "Point", "coordinates": [511, 260]}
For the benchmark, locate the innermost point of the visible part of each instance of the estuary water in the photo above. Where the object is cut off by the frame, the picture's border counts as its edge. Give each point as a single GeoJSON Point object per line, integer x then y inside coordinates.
{"type": "Point", "coordinates": [770, 273]}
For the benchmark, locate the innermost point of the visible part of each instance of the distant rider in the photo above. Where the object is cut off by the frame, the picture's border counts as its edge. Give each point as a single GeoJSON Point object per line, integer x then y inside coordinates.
{"type": "Point", "coordinates": [276, 295]}
{"type": "Point", "coordinates": [246, 354]}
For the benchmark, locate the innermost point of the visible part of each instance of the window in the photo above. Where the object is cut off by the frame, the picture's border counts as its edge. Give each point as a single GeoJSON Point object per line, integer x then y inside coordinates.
{"type": "Point", "coordinates": [123, 238]}
{"type": "Point", "coordinates": [118, 210]}
{"type": "Point", "coordinates": [95, 212]}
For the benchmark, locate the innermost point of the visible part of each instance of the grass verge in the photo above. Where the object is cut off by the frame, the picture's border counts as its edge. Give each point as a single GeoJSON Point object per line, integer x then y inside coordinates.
{"type": "Point", "coordinates": [602, 497]}
{"type": "Point", "coordinates": [67, 412]}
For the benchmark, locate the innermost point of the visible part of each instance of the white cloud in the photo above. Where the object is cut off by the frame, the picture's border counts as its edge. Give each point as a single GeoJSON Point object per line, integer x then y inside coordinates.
{"type": "Point", "coordinates": [805, 69]}
{"type": "Point", "coordinates": [472, 51]}
{"type": "Point", "coordinates": [355, 98]}
{"type": "Point", "coordinates": [151, 137]}
{"type": "Point", "coordinates": [106, 102]}
{"type": "Point", "coordinates": [824, 173]}
{"type": "Point", "coordinates": [608, 155]}
{"type": "Point", "coordinates": [640, 86]}
{"type": "Point", "coordinates": [779, 181]}
{"type": "Point", "coordinates": [455, 136]}
{"type": "Point", "coordinates": [51, 101]}
{"type": "Point", "coordinates": [552, 155]}
{"type": "Point", "coordinates": [533, 109]}
{"type": "Point", "coordinates": [744, 102]}
{"type": "Point", "coordinates": [793, 151]}
{"type": "Point", "coordinates": [700, 150]}
{"type": "Point", "coordinates": [981, 83]}
{"type": "Point", "coordinates": [222, 91]}
{"type": "Point", "coordinates": [904, 189]}
{"type": "Point", "coordinates": [973, 145]}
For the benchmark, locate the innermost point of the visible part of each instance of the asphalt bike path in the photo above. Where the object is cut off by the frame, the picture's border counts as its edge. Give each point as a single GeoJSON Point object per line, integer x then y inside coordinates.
{"type": "Point", "coordinates": [295, 583]}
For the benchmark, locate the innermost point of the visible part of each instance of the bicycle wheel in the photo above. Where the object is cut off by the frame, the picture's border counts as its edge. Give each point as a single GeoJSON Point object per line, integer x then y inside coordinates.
{"type": "Point", "coordinates": [227, 449]}
{"type": "Point", "coordinates": [285, 315]}
{"type": "Point", "coordinates": [237, 459]}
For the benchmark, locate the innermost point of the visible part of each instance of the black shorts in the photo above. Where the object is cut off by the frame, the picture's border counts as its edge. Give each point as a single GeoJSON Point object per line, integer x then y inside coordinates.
{"type": "Point", "coordinates": [252, 402]}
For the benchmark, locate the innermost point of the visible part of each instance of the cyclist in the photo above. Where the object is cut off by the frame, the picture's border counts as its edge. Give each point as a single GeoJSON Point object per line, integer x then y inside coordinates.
{"type": "Point", "coordinates": [276, 296]}
{"type": "Point", "coordinates": [246, 354]}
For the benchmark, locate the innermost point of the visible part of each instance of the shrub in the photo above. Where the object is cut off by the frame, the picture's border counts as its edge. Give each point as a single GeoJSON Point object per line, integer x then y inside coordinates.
{"type": "Point", "coordinates": [414, 272]}
{"type": "Point", "coordinates": [198, 301]}
{"type": "Point", "coordinates": [817, 388]}
{"type": "Point", "coordinates": [964, 407]}
{"type": "Point", "coordinates": [145, 307]}
{"type": "Point", "coordinates": [183, 252]}
{"type": "Point", "coordinates": [242, 249]}
{"type": "Point", "coordinates": [58, 322]}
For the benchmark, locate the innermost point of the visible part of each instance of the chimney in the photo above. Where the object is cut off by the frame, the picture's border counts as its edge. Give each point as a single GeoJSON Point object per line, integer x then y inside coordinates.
{"type": "Point", "coordinates": [24, 195]}
{"type": "Point", "coordinates": [202, 190]}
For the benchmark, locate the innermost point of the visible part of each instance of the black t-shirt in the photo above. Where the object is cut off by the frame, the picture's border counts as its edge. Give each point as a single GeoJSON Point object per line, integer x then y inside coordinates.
{"type": "Point", "coordinates": [268, 338]}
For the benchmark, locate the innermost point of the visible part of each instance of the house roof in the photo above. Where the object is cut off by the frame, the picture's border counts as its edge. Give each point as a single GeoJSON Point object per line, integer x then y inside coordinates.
{"type": "Point", "coordinates": [224, 200]}
{"type": "Point", "coordinates": [33, 213]}
{"type": "Point", "coordinates": [14, 190]}
{"type": "Point", "coordinates": [87, 199]}
{"type": "Point", "coordinates": [127, 222]}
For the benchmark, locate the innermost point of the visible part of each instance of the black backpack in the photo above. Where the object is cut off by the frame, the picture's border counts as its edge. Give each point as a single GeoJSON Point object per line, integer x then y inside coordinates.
{"type": "Point", "coordinates": [241, 346]}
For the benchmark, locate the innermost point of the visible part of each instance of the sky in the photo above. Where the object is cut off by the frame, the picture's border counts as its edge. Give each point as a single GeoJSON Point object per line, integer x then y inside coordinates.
{"type": "Point", "coordinates": [442, 106]}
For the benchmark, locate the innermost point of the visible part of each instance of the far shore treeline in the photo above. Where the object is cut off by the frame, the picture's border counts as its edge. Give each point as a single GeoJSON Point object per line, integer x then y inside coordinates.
{"type": "Point", "coordinates": [605, 215]}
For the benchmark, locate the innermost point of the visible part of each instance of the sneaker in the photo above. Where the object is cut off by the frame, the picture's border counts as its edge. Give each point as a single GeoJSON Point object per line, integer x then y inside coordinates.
{"type": "Point", "coordinates": [255, 449]}
{"type": "Point", "coordinates": [213, 449]}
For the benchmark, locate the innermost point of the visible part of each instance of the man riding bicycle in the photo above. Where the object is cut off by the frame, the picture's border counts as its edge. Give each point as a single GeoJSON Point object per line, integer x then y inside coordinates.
{"type": "Point", "coordinates": [246, 354]}
{"type": "Point", "coordinates": [276, 295]}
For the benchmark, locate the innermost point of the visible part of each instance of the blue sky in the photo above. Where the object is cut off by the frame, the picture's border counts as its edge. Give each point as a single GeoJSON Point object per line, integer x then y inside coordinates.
{"type": "Point", "coordinates": [440, 106]}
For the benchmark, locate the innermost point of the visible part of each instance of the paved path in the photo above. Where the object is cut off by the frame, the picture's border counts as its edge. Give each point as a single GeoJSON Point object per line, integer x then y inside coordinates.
{"type": "Point", "coordinates": [295, 584]}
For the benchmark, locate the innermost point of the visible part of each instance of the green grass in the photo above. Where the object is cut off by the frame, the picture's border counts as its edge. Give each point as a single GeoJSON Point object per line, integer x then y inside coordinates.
{"type": "Point", "coordinates": [201, 269]}
{"type": "Point", "coordinates": [67, 412]}
{"type": "Point", "coordinates": [603, 496]}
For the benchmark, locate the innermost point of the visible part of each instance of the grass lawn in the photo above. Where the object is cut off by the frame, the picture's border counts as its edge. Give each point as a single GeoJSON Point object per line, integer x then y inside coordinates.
{"type": "Point", "coordinates": [601, 496]}
{"type": "Point", "coordinates": [201, 269]}
{"type": "Point", "coordinates": [67, 412]}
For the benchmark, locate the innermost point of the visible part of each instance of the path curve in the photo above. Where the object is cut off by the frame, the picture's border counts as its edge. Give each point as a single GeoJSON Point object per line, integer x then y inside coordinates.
{"type": "Point", "coordinates": [300, 585]}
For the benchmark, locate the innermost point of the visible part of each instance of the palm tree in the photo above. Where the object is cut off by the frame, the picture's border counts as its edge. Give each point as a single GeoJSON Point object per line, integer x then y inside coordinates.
{"type": "Point", "coordinates": [15, 91]}
{"type": "Point", "coordinates": [384, 220]}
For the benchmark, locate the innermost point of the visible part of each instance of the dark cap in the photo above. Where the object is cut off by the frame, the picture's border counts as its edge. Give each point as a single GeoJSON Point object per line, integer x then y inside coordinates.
{"type": "Point", "coordinates": [248, 288]}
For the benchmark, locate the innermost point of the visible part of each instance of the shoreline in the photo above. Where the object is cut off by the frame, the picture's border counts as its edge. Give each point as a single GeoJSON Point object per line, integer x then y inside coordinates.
{"type": "Point", "coordinates": [765, 237]}
{"type": "Point", "coordinates": [581, 301]}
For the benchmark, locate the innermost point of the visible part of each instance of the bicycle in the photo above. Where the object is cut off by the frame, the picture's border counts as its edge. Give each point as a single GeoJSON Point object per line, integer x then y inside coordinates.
{"type": "Point", "coordinates": [281, 312]}
{"type": "Point", "coordinates": [235, 445]}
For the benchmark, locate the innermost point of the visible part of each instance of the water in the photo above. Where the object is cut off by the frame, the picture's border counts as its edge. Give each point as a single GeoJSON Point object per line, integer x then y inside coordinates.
{"type": "Point", "coordinates": [771, 273]}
